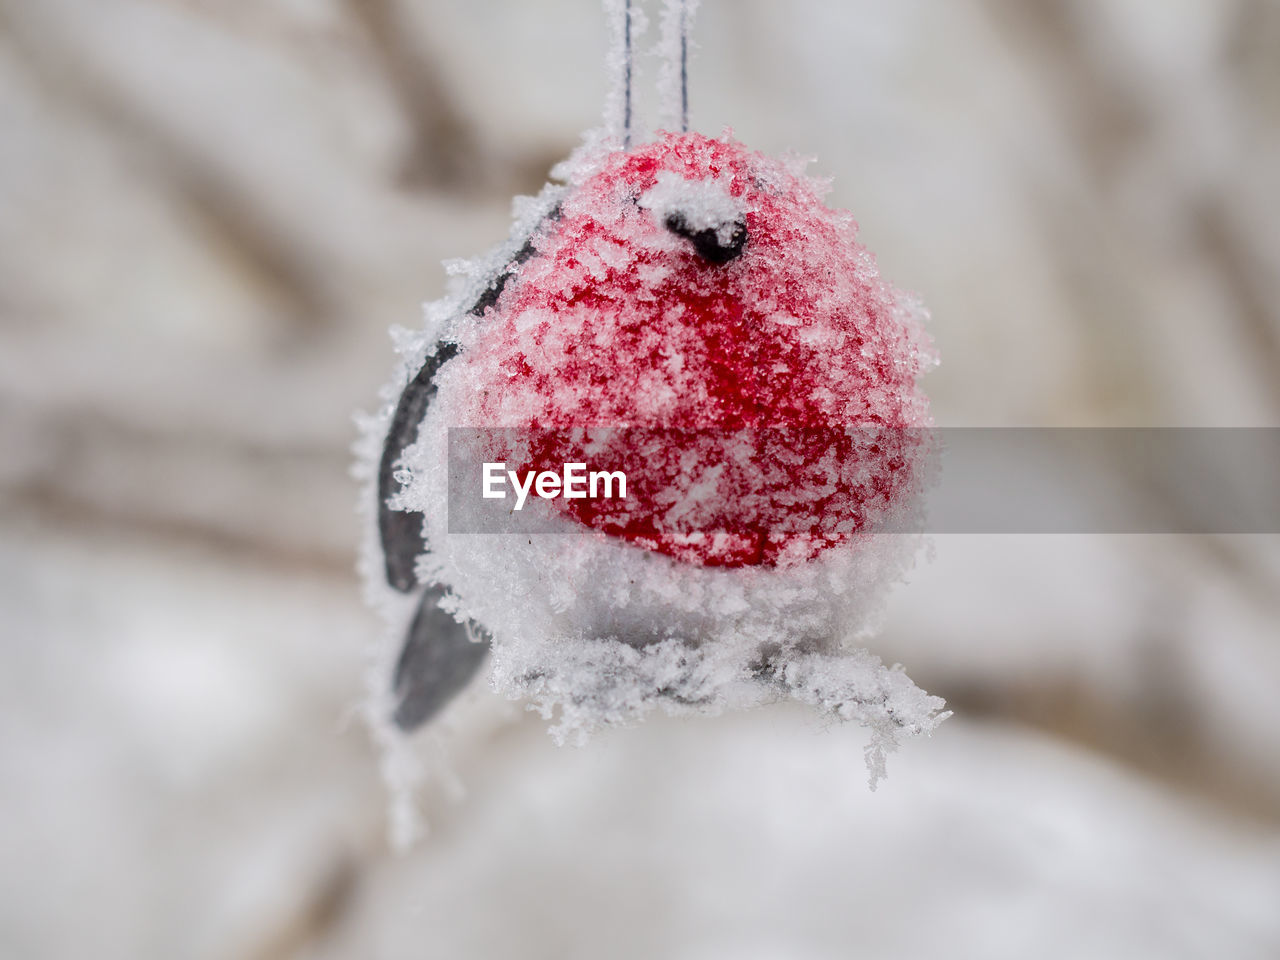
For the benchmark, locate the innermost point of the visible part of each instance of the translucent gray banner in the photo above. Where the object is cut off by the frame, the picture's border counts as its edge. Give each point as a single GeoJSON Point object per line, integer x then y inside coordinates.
{"type": "Point", "coordinates": [875, 479]}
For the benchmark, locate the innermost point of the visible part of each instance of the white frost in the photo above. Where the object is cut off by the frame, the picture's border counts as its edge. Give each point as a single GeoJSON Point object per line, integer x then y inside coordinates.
{"type": "Point", "coordinates": [701, 204]}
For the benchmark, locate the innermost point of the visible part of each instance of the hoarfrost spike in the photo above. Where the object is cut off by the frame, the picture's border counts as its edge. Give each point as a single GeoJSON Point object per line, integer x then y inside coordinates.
{"type": "Point", "coordinates": [673, 84]}
{"type": "Point", "coordinates": [625, 23]}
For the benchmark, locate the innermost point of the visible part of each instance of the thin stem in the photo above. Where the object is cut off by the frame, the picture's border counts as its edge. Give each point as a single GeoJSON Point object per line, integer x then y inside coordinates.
{"type": "Point", "coordinates": [626, 110]}
{"type": "Point", "coordinates": [684, 66]}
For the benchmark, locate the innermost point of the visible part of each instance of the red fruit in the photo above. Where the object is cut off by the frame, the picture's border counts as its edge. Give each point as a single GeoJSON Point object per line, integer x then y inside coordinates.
{"type": "Point", "coordinates": [768, 404]}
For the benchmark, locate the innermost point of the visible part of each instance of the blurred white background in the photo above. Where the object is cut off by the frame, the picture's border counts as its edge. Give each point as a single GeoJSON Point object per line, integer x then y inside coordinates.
{"type": "Point", "coordinates": [211, 212]}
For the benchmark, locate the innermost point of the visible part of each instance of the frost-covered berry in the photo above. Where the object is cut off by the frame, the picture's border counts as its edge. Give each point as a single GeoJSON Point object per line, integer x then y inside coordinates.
{"type": "Point", "coordinates": [689, 313]}
{"type": "Point", "coordinates": [730, 343]}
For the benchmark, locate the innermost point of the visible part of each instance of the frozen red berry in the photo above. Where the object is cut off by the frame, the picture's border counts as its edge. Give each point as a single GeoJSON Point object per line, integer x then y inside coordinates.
{"type": "Point", "coordinates": [730, 342]}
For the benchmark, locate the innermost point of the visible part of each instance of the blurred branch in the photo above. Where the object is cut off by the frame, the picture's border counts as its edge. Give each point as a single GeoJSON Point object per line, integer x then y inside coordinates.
{"type": "Point", "coordinates": [1251, 50]}
{"type": "Point", "coordinates": [1108, 122]}
{"type": "Point", "coordinates": [444, 152]}
{"type": "Point", "coordinates": [1155, 729]}
{"type": "Point", "coordinates": [87, 470]}
{"type": "Point", "coordinates": [1233, 258]}
{"type": "Point", "coordinates": [328, 900]}
{"type": "Point", "coordinates": [1105, 121]}
{"type": "Point", "coordinates": [273, 258]}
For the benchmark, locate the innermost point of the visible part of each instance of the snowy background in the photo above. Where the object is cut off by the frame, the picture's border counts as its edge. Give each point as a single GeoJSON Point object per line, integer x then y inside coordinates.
{"type": "Point", "coordinates": [210, 213]}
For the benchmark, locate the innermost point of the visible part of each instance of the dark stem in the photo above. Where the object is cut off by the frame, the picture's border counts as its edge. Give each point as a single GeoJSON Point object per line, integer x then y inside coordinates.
{"type": "Point", "coordinates": [684, 66]}
{"type": "Point", "coordinates": [626, 111]}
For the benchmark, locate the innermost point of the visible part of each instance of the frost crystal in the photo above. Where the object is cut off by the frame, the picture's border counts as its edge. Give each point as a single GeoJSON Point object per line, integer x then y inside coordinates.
{"type": "Point", "coordinates": [701, 204]}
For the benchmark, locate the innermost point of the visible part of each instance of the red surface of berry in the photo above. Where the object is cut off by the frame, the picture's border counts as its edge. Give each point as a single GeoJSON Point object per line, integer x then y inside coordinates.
{"type": "Point", "coordinates": [764, 409]}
